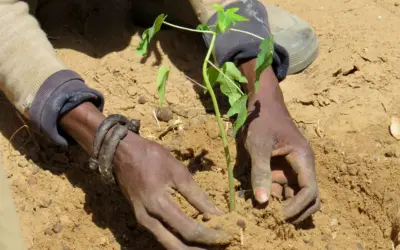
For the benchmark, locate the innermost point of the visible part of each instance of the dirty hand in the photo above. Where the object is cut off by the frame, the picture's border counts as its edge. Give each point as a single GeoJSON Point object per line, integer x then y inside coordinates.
{"type": "Point", "coordinates": [147, 174]}
{"type": "Point", "coordinates": [271, 132]}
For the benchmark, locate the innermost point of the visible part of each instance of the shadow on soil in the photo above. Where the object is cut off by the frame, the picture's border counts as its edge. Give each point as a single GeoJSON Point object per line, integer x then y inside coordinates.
{"type": "Point", "coordinates": [97, 29]}
{"type": "Point", "coordinates": [106, 204]}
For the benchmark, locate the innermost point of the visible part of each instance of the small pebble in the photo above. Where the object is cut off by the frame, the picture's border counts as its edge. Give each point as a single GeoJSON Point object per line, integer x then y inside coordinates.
{"type": "Point", "coordinates": [35, 169]}
{"type": "Point", "coordinates": [142, 100]}
{"type": "Point", "coordinates": [164, 114]}
{"type": "Point", "coordinates": [206, 217]}
{"type": "Point", "coordinates": [360, 246]}
{"type": "Point", "coordinates": [57, 228]}
{"type": "Point", "coordinates": [334, 222]}
{"type": "Point", "coordinates": [102, 241]}
{"type": "Point", "coordinates": [65, 248]}
{"type": "Point", "coordinates": [21, 164]}
{"type": "Point", "coordinates": [307, 239]}
{"type": "Point", "coordinates": [32, 181]}
{"type": "Point", "coordinates": [241, 224]}
{"type": "Point", "coordinates": [218, 227]}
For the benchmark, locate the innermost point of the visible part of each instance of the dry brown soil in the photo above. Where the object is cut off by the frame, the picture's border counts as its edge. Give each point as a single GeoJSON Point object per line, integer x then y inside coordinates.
{"type": "Point", "coordinates": [343, 103]}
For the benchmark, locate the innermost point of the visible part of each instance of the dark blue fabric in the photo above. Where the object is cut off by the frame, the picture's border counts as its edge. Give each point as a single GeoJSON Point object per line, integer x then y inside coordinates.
{"type": "Point", "coordinates": [236, 47]}
{"type": "Point", "coordinates": [58, 95]}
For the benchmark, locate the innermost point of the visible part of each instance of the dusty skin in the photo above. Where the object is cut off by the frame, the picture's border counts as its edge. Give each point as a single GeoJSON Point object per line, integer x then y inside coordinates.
{"type": "Point", "coordinates": [343, 102]}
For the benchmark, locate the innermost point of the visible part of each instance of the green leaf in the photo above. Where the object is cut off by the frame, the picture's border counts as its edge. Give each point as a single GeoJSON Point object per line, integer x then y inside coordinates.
{"type": "Point", "coordinates": [203, 27]}
{"type": "Point", "coordinates": [162, 78]}
{"type": "Point", "coordinates": [230, 69]}
{"type": "Point", "coordinates": [239, 108]}
{"type": "Point", "coordinates": [213, 75]}
{"type": "Point", "coordinates": [264, 59]}
{"type": "Point", "coordinates": [227, 17]}
{"type": "Point", "coordinates": [229, 78]}
{"type": "Point", "coordinates": [148, 35]}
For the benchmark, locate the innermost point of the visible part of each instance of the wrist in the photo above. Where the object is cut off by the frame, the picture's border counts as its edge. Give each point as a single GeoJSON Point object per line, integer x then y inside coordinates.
{"type": "Point", "coordinates": [269, 91]}
{"type": "Point", "coordinates": [81, 124]}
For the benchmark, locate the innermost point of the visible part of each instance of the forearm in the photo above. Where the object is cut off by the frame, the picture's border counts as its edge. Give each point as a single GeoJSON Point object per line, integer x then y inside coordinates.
{"type": "Point", "coordinates": [81, 124]}
{"type": "Point", "coordinates": [33, 78]}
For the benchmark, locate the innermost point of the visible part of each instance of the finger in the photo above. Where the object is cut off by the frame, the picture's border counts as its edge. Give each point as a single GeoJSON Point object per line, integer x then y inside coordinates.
{"type": "Point", "coordinates": [165, 237]}
{"type": "Point", "coordinates": [278, 176]}
{"type": "Point", "coordinates": [277, 190]}
{"type": "Point", "coordinates": [303, 164]}
{"type": "Point", "coordinates": [289, 192]}
{"type": "Point", "coordinates": [315, 206]}
{"type": "Point", "coordinates": [195, 195]}
{"type": "Point", "coordinates": [164, 208]}
{"type": "Point", "coordinates": [261, 177]}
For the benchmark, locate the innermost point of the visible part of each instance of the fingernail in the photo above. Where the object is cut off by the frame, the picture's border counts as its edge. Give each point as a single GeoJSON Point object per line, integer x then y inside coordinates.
{"type": "Point", "coordinates": [262, 195]}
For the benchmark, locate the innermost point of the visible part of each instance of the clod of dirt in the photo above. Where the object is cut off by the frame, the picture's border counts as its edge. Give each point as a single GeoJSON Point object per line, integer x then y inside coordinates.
{"type": "Point", "coordinates": [32, 181]}
{"type": "Point", "coordinates": [392, 152]}
{"type": "Point", "coordinates": [206, 217]}
{"type": "Point", "coordinates": [197, 121]}
{"type": "Point", "coordinates": [22, 164]}
{"type": "Point", "coordinates": [353, 170]}
{"type": "Point", "coordinates": [192, 113]}
{"type": "Point", "coordinates": [142, 100]}
{"type": "Point", "coordinates": [164, 114]}
{"type": "Point", "coordinates": [48, 231]}
{"type": "Point", "coordinates": [57, 228]}
{"type": "Point", "coordinates": [35, 169]}
{"type": "Point", "coordinates": [44, 202]}
{"type": "Point", "coordinates": [395, 127]}
{"type": "Point", "coordinates": [212, 130]}
{"type": "Point", "coordinates": [307, 239]}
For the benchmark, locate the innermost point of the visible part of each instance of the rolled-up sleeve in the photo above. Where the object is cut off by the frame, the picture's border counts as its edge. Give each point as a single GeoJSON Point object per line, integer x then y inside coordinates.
{"type": "Point", "coordinates": [237, 47]}
{"type": "Point", "coordinates": [31, 75]}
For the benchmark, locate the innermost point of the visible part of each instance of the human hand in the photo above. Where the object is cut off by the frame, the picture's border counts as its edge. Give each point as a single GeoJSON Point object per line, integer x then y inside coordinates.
{"type": "Point", "coordinates": [271, 132]}
{"type": "Point", "coordinates": [147, 174]}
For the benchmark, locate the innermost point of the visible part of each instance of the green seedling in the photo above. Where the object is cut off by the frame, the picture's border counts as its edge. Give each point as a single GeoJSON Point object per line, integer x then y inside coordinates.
{"type": "Point", "coordinates": [228, 76]}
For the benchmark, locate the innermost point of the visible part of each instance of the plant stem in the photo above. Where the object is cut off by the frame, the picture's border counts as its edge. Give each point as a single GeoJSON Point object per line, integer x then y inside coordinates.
{"type": "Point", "coordinates": [232, 203]}
{"type": "Point", "coordinates": [188, 29]}
{"type": "Point", "coordinates": [248, 33]}
{"type": "Point", "coordinates": [227, 77]}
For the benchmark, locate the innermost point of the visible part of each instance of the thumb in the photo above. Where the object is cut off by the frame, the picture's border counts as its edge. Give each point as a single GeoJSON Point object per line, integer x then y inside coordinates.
{"type": "Point", "coordinates": [260, 150]}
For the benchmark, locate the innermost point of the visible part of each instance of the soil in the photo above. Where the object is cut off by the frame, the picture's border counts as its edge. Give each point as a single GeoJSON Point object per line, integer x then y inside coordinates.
{"type": "Point", "coordinates": [343, 103]}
